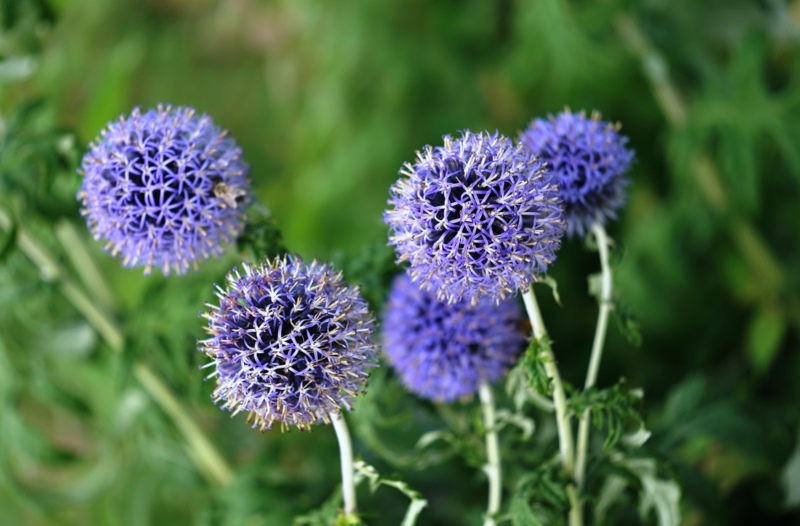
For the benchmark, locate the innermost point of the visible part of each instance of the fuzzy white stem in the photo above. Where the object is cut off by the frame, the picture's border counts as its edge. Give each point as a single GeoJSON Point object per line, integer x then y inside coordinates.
{"type": "Point", "coordinates": [493, 467]}
{"type": "Point", "coordinates": [563, 420]}
{"type": "Point", "coordinates": [559, 398]}
{"type": "Point", "coordinates": [597, 347]}
{"type": "Point", "coordinates": [346, 456]}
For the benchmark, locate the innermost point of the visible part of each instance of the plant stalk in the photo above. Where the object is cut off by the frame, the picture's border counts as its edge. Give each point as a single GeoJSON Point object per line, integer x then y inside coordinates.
{"type": "Point", "coordinates": [493, 466]}
{"type": "Point", "coordinates": [559, 397]}
{"type": "Point", "coordinates": [597, 347]}
{"type": "Point", "coordinates": [563, 420]}
{"type": "Point", "coordinates": [346, 456]}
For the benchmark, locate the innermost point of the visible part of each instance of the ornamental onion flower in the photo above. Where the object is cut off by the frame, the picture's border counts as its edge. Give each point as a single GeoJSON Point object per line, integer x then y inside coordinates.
{"type": "Point", "coordinates": [589, 158]}
{"type": "Point", "coordinates": [444, 351]}
{"type": "Point", "coordinates": [289, 342]}
{"type": "Point", "coordinates": [477, 217]}
{"type": "Point", "coordinates": [164, 189]}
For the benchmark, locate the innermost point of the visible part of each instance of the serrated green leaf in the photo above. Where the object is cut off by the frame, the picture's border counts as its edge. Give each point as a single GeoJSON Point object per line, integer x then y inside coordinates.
{"type": "Point", "coordinates": [518, 419]}
{"type": "Point", "coordinates": [518, 389]}
{"type": "Point", "coordinates": [614, 408]}
{"type": "Point", "coordinates": [540, 496]}
{"type": "Point", "coordinates": [415, 507]}
{"type": "Point", "coordinates": [326, 515]}
{"type": "Point", "coordinates": [551, 282]}
{"type": "Point", "coordinates": [368, 419]}
{"type": "Point", "coordinates": [261, 238]}
{"type": "Point", "coordinates": [659, 495]}
{"type": "Point", "coordinates": [372, 269]}
{"type": "Point", "coordinates": [533, 363]}
{"type": "Point", "coordinates": [656, 494]}
{"type": "Point", "coordinates": [610, 492]}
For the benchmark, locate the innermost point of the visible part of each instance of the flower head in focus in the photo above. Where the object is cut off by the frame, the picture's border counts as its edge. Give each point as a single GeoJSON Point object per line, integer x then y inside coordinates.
{"type": "Point", "coordinates": [289, 342]}
{"type": "Point", "coordinates": [589, 159]}
{"type": "Point", "coordinates": [477, 217]}
{"type": "Point", "coordinates": [164, 189]}
{"type": "Point", "coordinates": [443, 351]}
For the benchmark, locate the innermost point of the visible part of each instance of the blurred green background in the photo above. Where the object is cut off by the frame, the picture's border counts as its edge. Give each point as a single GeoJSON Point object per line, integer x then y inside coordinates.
{"type": "Point", "coordinates": [328, 99]}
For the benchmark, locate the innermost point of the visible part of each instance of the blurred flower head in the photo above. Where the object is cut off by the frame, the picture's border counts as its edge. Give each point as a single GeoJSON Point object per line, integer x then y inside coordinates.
{"type": "Point", "coordinates": [289, 342]}
{"type": "Point", "coordinates": [164, 189]}
{"type": "Point", "coordinates": [477, 217]}
{"type": "Point", "coordinates": [442, 351]}
{"type": "Point", "coordinates": [589, 159]}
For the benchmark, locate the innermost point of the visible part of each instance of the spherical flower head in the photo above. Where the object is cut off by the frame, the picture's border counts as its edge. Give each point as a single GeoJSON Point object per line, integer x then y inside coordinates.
{"type": "Point", "coordinates": [289, 342]}
{"type": "Point", "coordinates": [443, 351]}
{"type": "Point", "coordinates": [477, 217]}
{"type": "Point", "coordinates": [589, 158]}
{"type": "Point", "coordinates": [164, 189]}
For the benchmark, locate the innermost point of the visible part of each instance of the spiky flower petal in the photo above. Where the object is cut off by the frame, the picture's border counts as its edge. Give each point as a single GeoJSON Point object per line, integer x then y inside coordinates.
{"type": "Point", "coordinates": [443, 351]}
{"type": "Point", "coordinates": [589, 158]}
{"type": "Point", "coordinates": [477, 217]}
{"type": "Point", "coordinates": [289, 342]}
{"type": "Point", "coordinates": [164, 189]}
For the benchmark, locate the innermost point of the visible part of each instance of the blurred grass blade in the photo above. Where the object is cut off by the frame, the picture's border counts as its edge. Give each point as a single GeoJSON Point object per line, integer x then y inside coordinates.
{"type": "Point", "coordinates": [208, 459]}
{"type": "Point", "coordinates": [83, 264]}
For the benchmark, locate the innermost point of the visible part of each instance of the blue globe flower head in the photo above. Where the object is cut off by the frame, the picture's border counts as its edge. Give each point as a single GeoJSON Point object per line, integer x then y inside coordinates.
{"type": "Point", "coordinates": [289, 342]}
{"type": "Point", "coordinates": [164, 189]}
{"type": "Point", "coordinates": [443, 351]}
{"type": "Point", "coordinates": [477, 217]}
{"type": "Point", "coordinates": [589, 159]}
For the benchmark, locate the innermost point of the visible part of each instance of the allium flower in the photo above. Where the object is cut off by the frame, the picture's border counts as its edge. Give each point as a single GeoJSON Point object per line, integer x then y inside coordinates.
{"type": "Point", "coordinates": [475, 217]}
{"type": "Point", "coordinates": [290, 342]}
{"type": "Point", "coordinates": [589, 159]}
{"type": "Point", "coordinates": [164, 188]}
{"type": "Point", "coordinates": [443, 351]}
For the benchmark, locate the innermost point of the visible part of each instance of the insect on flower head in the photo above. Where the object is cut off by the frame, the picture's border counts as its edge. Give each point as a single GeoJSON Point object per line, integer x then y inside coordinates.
{"type": "Point", "coordinates": [164, 189]}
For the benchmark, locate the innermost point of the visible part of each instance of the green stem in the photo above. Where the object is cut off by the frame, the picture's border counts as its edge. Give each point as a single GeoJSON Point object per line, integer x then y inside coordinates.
{"type": "Point", "coordinates": [597, 347]}
{"type": "Point", "coordinates": [563, 420]}
{"type": "Point", "coordinates": [493, 467]}
{"type": "Point", "coordinates": [346, 456]}
{"type": "Point", "coordinates": [205, 455]}
{"type": "Point", "coordinates": [559, 397]}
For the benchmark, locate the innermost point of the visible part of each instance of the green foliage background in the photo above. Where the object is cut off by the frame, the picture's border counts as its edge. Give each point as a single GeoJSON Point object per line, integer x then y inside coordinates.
{"type": "Point", "coordinates": [328, 99]}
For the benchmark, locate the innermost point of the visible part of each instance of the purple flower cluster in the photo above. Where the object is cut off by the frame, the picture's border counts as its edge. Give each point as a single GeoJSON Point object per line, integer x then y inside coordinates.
{"type": "Point", "coordinates": [443, 351]}
{"type": "Point", "coordinates": [588, 158]}
{"type": "Point", "coordinates": [290, 342]}
{"type": "Point", "coordinates": [477, 217]}
{"type": "Point", "coordinates": [164, 189]}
